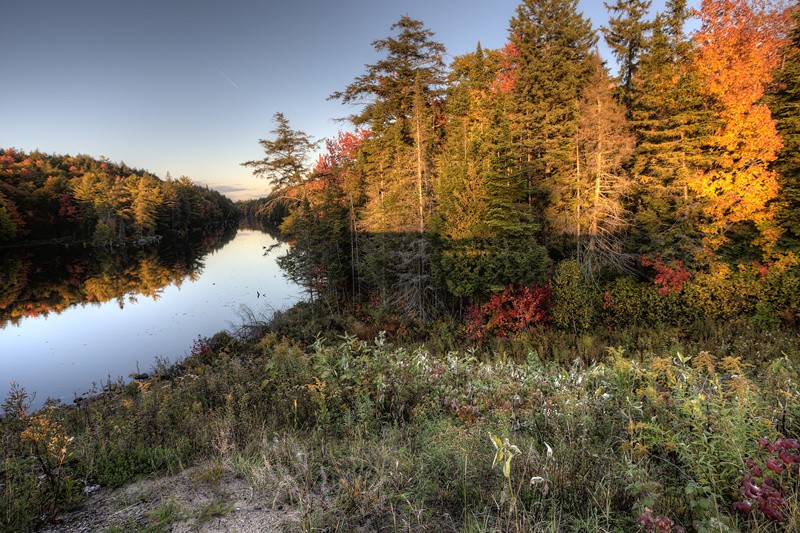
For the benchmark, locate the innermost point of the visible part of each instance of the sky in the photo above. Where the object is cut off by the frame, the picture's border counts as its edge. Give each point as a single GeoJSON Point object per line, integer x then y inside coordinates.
{"type": "Point", "coordinates": [189, 87]}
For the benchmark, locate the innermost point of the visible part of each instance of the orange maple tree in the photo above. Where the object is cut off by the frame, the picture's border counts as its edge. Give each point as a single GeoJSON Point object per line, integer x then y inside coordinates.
{"type": "Point", "coordinates": [737, 51]}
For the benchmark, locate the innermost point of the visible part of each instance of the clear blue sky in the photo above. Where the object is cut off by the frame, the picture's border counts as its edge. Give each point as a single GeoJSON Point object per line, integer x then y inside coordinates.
{"type": "Point", "coordinates": [188, 87]}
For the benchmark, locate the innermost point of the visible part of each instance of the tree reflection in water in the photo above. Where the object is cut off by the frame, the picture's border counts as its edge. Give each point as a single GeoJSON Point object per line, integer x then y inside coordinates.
{"type": "Point", "coordinates": [39, 281]}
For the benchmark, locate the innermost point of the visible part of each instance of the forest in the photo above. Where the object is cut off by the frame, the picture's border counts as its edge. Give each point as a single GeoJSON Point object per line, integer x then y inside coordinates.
{"type": "Point", "coordinates": [69, 200]}
{"type": "Point", "coordinates": [667, 191]}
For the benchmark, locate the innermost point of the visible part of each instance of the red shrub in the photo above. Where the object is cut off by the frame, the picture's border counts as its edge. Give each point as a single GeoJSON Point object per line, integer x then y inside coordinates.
{"type": "Point", "coordinates": [511, 311]}
{"type": "Point", "coordinates": [765, 492]}
{"type": "Point", "coordinates": [670, 275]}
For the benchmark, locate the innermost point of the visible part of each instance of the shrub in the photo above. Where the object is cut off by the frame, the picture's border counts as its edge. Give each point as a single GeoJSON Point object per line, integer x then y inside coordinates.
{"type": "Point", "coordinates": [509, 312]}
{"type": "Point", "coordinates": [766, 485]}
{"type": "Point", "coordinates": [670, 276]}
{"type": "Point", "coordinates": [576, 302]}
{"type": "Point", "coordinates": [630, 303]}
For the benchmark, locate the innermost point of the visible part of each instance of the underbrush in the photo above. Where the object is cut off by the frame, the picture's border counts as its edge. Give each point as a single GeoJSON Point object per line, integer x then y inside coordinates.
{"type": "Point", "coordinates": [653, 435]}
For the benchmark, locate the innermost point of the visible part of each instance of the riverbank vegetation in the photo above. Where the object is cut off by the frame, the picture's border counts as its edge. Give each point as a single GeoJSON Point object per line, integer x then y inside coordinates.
{"type": "Point", "coordinates": [656, 432]}
{"type": "Point", "coordinates": [460, 191]}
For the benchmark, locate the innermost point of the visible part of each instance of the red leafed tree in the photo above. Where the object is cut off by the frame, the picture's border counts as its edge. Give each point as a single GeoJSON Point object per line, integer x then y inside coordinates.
{"type": "Point", "coordinates": [338, 167]}
{"type": "Point", "coordinates": [507, 75]}
{"type": "Point", "coordinates": [737, 50]}
{"type": "Point", "coordinates": [670, 275]}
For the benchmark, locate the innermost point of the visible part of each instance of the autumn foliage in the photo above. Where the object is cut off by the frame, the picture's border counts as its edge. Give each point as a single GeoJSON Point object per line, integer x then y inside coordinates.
{"type": "Point", "coordinates": [764, 484]}
{"type": "Point", "coordinates": [670, 275]}
{"type": "Point", "coordinates": [737, 50]}
{"type": "Point", "coordinates": [510, 311]}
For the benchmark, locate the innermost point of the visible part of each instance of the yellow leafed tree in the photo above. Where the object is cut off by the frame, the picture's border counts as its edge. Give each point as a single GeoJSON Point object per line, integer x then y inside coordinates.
{"type": "Point", "coordinates": [737, 51]}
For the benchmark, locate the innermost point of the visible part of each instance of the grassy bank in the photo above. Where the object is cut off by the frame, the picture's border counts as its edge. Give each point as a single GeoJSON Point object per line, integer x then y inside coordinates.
{"type": "Point", "coordinates": [641, 430]}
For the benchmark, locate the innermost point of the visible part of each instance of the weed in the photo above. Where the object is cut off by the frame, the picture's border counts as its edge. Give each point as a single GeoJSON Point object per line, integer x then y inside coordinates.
{"type": "Point", "coordinates": [161, 518]}
{"type": "Point", "coordinates": [216, 508]}
{"type": "Point", "coordinates": [355, 434]}
{"type": "Point", "coordinates": [209, 475]}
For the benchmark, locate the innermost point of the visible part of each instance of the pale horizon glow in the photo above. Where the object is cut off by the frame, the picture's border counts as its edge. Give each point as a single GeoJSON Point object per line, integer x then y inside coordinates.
{"type": "Point", "coordinates": [188, 88]}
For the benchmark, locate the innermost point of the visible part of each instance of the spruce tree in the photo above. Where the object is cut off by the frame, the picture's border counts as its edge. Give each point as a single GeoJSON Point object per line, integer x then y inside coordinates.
{"type": "Point", "coordinates": [626, 35]}
{"type": "Point", "coordinates": [669, 120]}
{"type": "Point", "coordinates": [553, 43]}
{"type": "Point", "coordinates": [488, 239]}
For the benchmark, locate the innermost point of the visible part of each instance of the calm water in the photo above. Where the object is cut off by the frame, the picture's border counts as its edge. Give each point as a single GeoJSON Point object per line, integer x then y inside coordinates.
{"type": "Point", "coordinates": [68, 321]}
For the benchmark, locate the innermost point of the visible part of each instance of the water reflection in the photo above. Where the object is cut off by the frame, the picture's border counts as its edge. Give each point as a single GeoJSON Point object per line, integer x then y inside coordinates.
{"type": "Point", "coordinates": [75, 319]}
{"type": "Point", "coordinates": [39, 281]}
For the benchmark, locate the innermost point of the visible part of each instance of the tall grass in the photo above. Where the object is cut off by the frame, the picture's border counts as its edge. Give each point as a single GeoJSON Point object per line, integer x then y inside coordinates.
{"type": "Point", "coordinates": [350, 433]}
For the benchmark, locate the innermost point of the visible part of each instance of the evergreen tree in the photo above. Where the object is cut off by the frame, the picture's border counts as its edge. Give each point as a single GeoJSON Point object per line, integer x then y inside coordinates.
{"type": "Point", "coordinates": [398, 97]}
{"type": "Point", "coordinates": [488, 239]}
{"type": "Point", "coordinates": [669, 119]}
{"type": "Point", "coordinates": [784, 103]}
{"type": "Point", "coordinates": [460, 190]}
{"type": "Point", "coordinates": [8, 225]}
{"type": "Point", "coordinates": [553, 43]}
{"type": "Point", "coordinates": [146, 201]}
{"type": "Point", "coordinates": [285, 157]}
{"type": "Point", "coordinates": [626, 35]}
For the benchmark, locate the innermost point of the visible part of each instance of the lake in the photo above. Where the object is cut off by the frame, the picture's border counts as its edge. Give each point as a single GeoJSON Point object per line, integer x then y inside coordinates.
{"type": "Point", "coordinates": [71, 318]}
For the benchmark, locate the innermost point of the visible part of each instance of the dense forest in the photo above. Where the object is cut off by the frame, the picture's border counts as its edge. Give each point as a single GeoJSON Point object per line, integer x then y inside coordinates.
{"type": "Point", "coordinates": [67, 199]}
{"type": "Point", "coordinates": [665, 192]}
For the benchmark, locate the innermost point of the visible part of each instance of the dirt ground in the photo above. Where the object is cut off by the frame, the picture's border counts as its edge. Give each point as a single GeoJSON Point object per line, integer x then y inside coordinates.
{"type": "Point", "coordinates": [202, 499]}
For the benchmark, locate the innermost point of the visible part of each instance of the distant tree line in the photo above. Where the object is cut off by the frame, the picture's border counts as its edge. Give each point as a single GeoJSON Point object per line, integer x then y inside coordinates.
{"type": "Point", "coordinates": [267, 212]}
{"type": "Point", "coordinates": [455, 184]}
{"type": "Point", "coordinates": [52, 197]}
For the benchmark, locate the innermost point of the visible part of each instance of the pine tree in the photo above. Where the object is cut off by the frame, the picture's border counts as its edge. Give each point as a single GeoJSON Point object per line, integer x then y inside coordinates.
{"type": "Point", "coordinates": [553, 43]}
{"type": "Point", "coordinates": [146, 200]}
{"type": "Point", "coordinates": [9, 225]}
{"type": "Point", "coordinates": [626, 35]}
{"type": "Point", "coordinates": [398, 95]}
{"type": "Point", "coordinates": [285, 157]}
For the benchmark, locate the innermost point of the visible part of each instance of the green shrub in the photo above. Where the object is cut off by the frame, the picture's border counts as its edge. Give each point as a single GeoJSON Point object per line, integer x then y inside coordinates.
{"type": "Point", "coordinates": [630, 303]}
{"type": "Point", "coordinates": [576, 302]}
